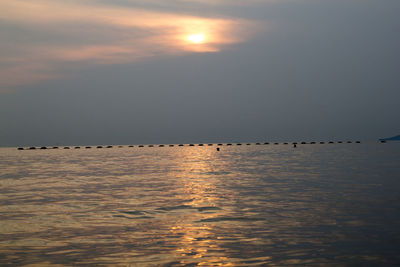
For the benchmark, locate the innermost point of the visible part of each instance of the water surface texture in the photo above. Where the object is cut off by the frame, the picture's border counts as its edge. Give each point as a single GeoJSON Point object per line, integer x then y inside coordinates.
{"type": "Point", "coordinates": [272, 205]}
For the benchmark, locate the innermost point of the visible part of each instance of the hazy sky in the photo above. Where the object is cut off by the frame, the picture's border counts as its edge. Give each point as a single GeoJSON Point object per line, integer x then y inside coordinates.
{"type": "Point", "coordinates": [178, 71]}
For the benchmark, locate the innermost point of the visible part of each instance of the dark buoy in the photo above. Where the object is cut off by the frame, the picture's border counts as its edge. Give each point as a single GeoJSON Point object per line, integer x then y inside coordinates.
{"type": "Point", "coordinates": [88, 147]}
{"type": "Point", "coordinates": [210, 144]}
{"type": "Point", "coordinates": [20, 148]}
{"type": "Point", "coordinates": [383, 141]}
{"type": "Point", "coordinates": [130, 146]}
{"type": "Point", "coordinates": [66, 147]}
{"type": "Point", "coordinates": [258, 144]}
{"type": "Point", "coordinates": [200, 144]}
{"type": "Point", "coordinates": [141, 145]}
{"type": "Point", "coordinates": [217, 148]}
{"type": "Point", "coordinates": [322, 143]}
{"type": "Point", "coordinates": [191, 144]}
{"type": "Point", "coordinates": [43, 147]}
{"type": "Point", "coordinates": [99, 147]}
{"type": "Point", "coordinates": [171, 145]}
{"type": "Point", "coordinates": [151, 145]}
{"type": "Point", "coordinates": [285, 143]}
{"type": "Point", "coordinates": [358, 142]}
{"type": "Point", "coordinates": [180, 145]}
{"type": "Point", "coordinates": [77, 147]}
{"type": "Point", "coordinates": [229, 144]}
{"type": "Point", "coordinates": [238, 144]}
{"type": "Point", "coordinates": [55, 147]}
{"type": "Point", "coordinates": [266, 143]}
{"type": "Point", "coordinates": [161, 146]}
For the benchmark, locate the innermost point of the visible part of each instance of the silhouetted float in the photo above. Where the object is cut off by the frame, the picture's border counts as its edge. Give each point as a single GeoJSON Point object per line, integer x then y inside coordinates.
{"type": "Point", "coordinates": [181, 144]}
{"type": "Point", "coordinates": [276, 143]}
{"type": "Point", "coordinates": [141, 145]}
{"type": "Point", "coordinates": [210, 144]}
{"type": "Point", "coordinates": [358, 142]}
{"type": "Point", "coordinates": [55, 147]}
{"type": "Point", "coordinates": [229, 144]}
{"type": "Point", "coordinates": [200, 144]}
{"type": "Point", "coordinates": [266, 143]}
{"type": "Point", "coordinates": [151, 145]}
{"type": "Point", "coordinates": [238, 144]}
{"type": "Point", "coordinates": [66, 147]}
{"type": "Point", "coordinates": [43, 147]}
{"type": "Point", "coordinates": [191, 144]}
{"type": "Point", "coordinates": [32, 148]}
{"type": "Point", "coordinates": [20, 148]}
{"type": "Point", "coordinates": [258, 144]}
{"type": "Point", "coordinates": [322, 143]}
{"type": "Point", "coordinates": [161, 146]}
{"type": "Point", "coordinates": [77, 147]}
{"type": "Point", "coordinates": [171, 145]}
{"type": "Point", "coordinates": [220, 144]}
{"type": "Point", "coordinates": [88, 147]}
{"type": "Point", "coordinates": [99, 147]}
{"type": "Point", "coordinates": [130, 146]}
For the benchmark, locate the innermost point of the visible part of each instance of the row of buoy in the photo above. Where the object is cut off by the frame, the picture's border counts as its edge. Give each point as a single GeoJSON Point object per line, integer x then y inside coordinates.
{"type": "Point", "coordinates": [219, 144]}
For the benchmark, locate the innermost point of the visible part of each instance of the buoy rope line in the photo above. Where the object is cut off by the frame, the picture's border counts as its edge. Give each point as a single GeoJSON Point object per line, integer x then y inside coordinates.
{"type": "Point", "coordinates": [295, 144]}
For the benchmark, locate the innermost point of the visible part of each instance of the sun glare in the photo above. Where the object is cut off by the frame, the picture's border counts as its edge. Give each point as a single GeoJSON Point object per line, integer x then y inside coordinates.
{"type": "Point", "coordinates": [197, 38]}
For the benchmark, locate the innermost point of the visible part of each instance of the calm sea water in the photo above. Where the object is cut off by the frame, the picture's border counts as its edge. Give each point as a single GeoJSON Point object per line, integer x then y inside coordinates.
{"type": "Point", "coordinates": [186, 206]}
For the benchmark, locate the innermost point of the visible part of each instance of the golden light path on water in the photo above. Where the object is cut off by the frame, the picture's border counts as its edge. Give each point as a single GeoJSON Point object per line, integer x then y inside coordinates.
{"type": "Point", "coordinates": [77, 34]}
{"type": "Point", "coordinates": [196, 239]}
{"type": "Point", "coordinates": [195, 206]}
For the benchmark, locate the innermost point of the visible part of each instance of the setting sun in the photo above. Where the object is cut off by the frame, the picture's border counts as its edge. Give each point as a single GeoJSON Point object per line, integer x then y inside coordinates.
{"type": "Point", "coordinates": [197, 38]}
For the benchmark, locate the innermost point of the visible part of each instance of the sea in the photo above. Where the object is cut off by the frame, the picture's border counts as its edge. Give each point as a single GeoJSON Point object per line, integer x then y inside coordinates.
{"type": "Point", "coordinates": [244, 205]}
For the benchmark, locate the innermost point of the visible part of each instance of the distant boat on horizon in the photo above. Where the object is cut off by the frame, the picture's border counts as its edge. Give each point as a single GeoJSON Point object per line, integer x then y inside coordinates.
{"type": "Point", "coordinates": [393, 138]}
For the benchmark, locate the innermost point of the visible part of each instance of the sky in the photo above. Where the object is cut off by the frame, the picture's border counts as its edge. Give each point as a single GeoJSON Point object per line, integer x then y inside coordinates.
{"type": "Point", "coordinates": [185, 71]}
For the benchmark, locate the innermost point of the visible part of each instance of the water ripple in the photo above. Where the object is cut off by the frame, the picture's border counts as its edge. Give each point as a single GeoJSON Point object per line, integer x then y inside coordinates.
{"type": "Point", "coordinates": [194, 206]}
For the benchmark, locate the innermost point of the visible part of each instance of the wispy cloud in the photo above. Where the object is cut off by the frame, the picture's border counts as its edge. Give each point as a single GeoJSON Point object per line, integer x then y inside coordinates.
{"type": "Point", "coordinates": [58, 33]}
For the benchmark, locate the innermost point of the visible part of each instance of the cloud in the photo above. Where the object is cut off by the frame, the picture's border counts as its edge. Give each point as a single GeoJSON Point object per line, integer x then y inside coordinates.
{"type": "Point", "coordinates": [60, 33]}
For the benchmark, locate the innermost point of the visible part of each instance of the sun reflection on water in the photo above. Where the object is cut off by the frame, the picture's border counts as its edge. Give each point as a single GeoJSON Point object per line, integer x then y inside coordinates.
{"type": "Point", "coordinates": [198, 243]}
